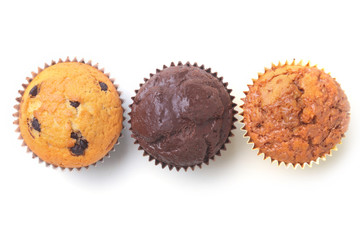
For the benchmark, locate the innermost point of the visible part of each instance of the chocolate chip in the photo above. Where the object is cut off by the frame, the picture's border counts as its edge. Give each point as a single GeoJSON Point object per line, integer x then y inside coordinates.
{"type": "Point", "coordinates": [103, 86]}
{"type": "Point", "coordinates": [35, 124]}
{"type": "Point", "coordinates": [34, 91]}
{"type": "Point", "coordinates": [80, 145]}
{"type": "Point", "coordinates": [83, 143]}
{"type": "Point", "coordinates": [77, 150]}
{"type": "Point", "coordinates": [75, 104]}
{"type": "Point", "coordinates": [74, 135]}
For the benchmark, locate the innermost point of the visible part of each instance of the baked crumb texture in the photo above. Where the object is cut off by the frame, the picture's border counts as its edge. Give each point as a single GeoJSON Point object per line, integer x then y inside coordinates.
{"type": "Point", "coordinates": [182, 116]}
{"type": "Point", "coordinates": [295, 114]}
{"type": "Point", "coordinates": [69, 114]}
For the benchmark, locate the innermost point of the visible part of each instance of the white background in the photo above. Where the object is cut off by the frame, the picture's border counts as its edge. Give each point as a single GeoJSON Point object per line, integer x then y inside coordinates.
{"type": "Point", "coordinates": [238, 196]}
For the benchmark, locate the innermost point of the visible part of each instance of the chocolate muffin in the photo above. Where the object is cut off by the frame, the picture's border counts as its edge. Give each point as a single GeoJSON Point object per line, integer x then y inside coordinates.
{"type": "Point", "coordinates": [70, 114]}
{"type": "Point", "coordinates": [295, 114]}
{"type": "Point", "coordinates": [182, 116]}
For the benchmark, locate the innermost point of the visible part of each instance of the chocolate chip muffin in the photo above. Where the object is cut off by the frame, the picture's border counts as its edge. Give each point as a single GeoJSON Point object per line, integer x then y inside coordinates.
{"type": "Point", "coordinates": [295, 114]}
{"type": "Point", "coordinates": [182, 116]}
{"type": "Point", "coordinates": [70, 114]}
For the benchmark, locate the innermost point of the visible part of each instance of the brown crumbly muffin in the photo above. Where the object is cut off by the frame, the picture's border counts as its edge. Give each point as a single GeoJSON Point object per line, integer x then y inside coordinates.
{"type": "Point", "coordinates": [70, 115]}
{"type": "Point", "coordinates": [295, 114]}
{"type": "Point", "coordinates": [182, 116]}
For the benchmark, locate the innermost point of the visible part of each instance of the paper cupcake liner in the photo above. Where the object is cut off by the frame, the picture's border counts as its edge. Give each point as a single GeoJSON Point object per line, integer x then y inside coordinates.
{"type": "Point", "coordinates": [259, 152]}
{"type": "Point", "coordinates": [223, 147]}
{"type": "Point", "coordinates": [17, 113]}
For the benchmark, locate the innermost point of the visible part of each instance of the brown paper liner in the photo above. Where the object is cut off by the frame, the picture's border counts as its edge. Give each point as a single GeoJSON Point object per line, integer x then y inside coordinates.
{"type": "Point", "coordinates": [223, 147]}
{"type": "Point", "coordinates": [259, 152]}
{"type": "Point", "coordinates": [21, 92]}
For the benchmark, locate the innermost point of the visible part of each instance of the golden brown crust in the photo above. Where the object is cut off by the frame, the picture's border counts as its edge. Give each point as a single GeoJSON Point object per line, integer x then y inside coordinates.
{"type": "Point", "coordinates": [67, 118]}
{"type": "Point", "coordinates": [295, 114]}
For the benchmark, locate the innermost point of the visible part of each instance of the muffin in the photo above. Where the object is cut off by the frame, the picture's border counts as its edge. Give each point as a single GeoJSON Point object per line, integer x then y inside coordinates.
{"type": "Point", "coordinates": [295, 114]}
{"type": "Point", "coordinates": [70, 114]}
{"type": "Point", "coordinates": [182, 116]}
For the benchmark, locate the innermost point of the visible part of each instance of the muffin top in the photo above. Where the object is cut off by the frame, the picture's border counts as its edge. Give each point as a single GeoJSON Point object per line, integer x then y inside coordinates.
{"type": "Point", "coordinates": [182, 116]}
{"type": "Point", "coordinates": [70, 115]}
{"type": "Point", "coordinates": [295, 114]}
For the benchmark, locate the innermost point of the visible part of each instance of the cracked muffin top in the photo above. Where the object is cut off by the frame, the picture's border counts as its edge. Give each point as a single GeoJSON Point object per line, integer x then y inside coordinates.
{"type": "Point", "coordinates": [295, 114]}
{"type": "Point", "coordinates": [70, 115]}
{"type": "Point", "coordinates": [182, 116]}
